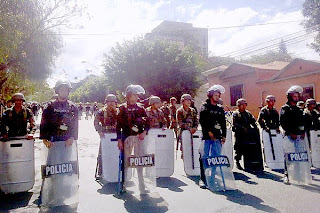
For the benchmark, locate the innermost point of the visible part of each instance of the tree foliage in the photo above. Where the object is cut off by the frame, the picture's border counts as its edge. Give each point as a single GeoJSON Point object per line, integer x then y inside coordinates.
{"type": "Point", "coordinates": [268, 57]}
{"type": "Point", "coordinates": [91, 89]}
{"type": "Point", "coordinates": [28, 44]}
{"type": "Point", "coordinates": [283, 47]}
{"type": "Point", "coordinates": [159, 66]}
{"type": "Point", "coordinates": [311, 11]}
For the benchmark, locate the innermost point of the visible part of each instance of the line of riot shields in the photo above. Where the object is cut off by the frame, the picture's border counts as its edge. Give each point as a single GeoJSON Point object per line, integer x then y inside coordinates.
{"type": "Point", "coordinates": [151, 158]}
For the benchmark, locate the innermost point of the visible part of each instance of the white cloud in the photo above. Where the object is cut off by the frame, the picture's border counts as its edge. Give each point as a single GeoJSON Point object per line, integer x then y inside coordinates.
{"type": "Point", "coordinates": [224, 41]}
{"type": "Point", "coordinates": [126, 19]}
{"type": "Point", "coordinates": [117, 21]}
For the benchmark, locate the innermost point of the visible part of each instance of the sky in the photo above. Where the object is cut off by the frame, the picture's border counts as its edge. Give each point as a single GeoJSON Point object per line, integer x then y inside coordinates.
{"type": "Point", "coordinates": [115, 21]}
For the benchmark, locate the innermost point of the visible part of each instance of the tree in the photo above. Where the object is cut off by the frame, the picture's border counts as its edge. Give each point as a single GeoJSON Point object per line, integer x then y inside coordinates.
{"type": "Point", "coordinates": [311, 11]}
{"type": "Point", "coordinates": [268, 57]}
{"type": "Point", "coordinates": [91, 89]}
{"type": "Point", "coordinates": [283, 47]}
{"type": "Point", "coordinates": [159, 66]}
{"type": "Point", "coordinates": [28, 44]}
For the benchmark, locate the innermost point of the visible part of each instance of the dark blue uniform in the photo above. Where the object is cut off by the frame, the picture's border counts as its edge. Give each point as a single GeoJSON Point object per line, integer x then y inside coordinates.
{"type": "Point", "coordinates": [59, 121]}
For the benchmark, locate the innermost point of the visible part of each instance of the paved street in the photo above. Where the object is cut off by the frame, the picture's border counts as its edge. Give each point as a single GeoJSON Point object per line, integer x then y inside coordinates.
{"type": "Point", "coordinates": [179, 193]}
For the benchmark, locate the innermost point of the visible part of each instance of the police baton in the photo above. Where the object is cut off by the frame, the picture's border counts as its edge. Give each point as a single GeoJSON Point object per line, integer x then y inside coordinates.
{"type": "Point", "coordinates": [271, 143]}
{"type": "Point", "coordinates": [192, 151]}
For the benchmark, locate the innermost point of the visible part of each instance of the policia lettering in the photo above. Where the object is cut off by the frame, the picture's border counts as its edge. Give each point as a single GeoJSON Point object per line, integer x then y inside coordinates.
{"type": "Point", "coordinates": [143, 161]}
{"type": "Point", "coordinates": [63, 168]}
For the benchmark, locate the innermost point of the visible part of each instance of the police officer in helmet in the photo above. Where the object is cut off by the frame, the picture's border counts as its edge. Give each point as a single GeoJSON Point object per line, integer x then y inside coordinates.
{"type": "Point", "coordinates": [60, 117]}
{"type": "Point", "coordinates": [291, 118]}
{"type": "Point", "coordinates": [132, 127]}
{"type": "Point", "coordinates": [214, 130]}
{"type": "Point", "coordinates": [15, 120]}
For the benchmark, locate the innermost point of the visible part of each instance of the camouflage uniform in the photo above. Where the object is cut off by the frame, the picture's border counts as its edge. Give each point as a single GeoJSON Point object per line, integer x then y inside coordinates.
{"type": "Point", "coordinates": [166, 112]}
{"type": "Point", "coordinates": [187, 119]}
{"type": "Point", "coordinates": [16, 123]}
{"type": "Point", "coordinates": [173, 115]}
{"type": "Point", "coordinates": [156, 118]}
{"type": "Point", "coordinates": [106, 120]}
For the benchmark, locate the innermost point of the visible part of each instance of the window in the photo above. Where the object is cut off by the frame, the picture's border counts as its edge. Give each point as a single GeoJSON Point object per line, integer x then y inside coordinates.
{"type": "Point", "coordinates": [307, 93]}
{"type": "Point", "coordinates": [236, 92]}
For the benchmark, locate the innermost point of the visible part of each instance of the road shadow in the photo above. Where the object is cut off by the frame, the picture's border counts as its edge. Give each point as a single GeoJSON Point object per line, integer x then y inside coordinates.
{"type": "Point", "coordinates": [64, 209]}
{"type": "Point", "coordinates": [243, 177]}
{"type": "Point", "coordinates": [269, 176]}
{"type": "Point", "coordinates": [195, 179]}
{"type": "Point", "coordinates": [315, 171]}
{"type": "Point", "coordinates": [243, 199]}
{"type": "Point", "coordinates": [151, 203]}
{"type": "Point", "coordinates": [108, 188]}
{"type": "Point", "coordinates": [171, 183]}
{"type": "Point", "coordinates": [311, 187]}
{"type": "Point", "coordinates": [14, 201]}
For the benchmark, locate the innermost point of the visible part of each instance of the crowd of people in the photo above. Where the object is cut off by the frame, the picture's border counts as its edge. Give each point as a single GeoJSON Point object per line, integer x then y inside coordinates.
{"type": "Point", "coordinates": [132, 120]}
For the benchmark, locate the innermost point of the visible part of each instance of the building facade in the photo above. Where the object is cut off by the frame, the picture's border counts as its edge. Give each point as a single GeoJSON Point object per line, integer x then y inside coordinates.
{"type": "Point", "coordinates": [254, 82]}
{"type": "Point", "coordinates": [183, 34]}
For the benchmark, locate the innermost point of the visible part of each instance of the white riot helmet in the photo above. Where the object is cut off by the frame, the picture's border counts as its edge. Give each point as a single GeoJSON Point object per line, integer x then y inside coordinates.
{"type": "Point", "coordinates": [134, 89]}
{"type": "Point", "coordinates": [60, 82]}
{"type": "Point", "coordinates": [215, 88]}
{"type": "Point", "coordinates": [154, 99]}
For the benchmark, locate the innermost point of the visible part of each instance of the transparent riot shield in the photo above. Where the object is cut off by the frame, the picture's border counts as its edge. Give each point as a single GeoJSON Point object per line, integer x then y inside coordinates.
{"type": "Point", "coordinates": [109, 157]}
{"type": "Point", "coordinates": [217, 168]}
{"type": "Point", "coordinates": [190, 147]}
{"type": "Point", "coordinates": [17, 173]}
{"type": "Point", "coordinates": [60, 175]}
{"type": "Point", "coordinates": [273, 149]}
{"type": "Point", "coordinates": [228, 147]}
{"type": "Point", "coordinates": [315, 148]}
{"type": "Point", "coordinates": [296, 157]}
{"type": "Point", "coordinates": [139, 165]}
{"type": "Point", "coordinates": [164, 144]}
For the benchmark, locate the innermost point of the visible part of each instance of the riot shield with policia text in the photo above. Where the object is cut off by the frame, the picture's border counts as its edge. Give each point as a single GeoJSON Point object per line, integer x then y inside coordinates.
{"type": "Point", "coordinates": [60, 175]}
{"type": "Point", "coordinates": [297, 160]}
{"type": "Point", "coordinates": [217, 167]}
{"type": "Point", "coordinates": [139, 165]}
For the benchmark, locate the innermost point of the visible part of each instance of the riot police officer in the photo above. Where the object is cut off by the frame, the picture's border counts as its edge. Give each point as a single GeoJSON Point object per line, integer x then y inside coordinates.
{"type": "Point", "coordinates": [269, 117]}
{"type": "Point", "coordinates": [173, 115]}
{"type": "Point", "coordinates": [105, 122]}
{"type": "Point", "coordinates": [311, 118]}
{"type": "Point", "coordinates": [187, 117]}
{"type": "Point", "coordinates": [245, 128]}
{"type": "Point", "coordinates": [213, 123]}
{"type": "Point", "coordinates": [60, 117]}
{"type": "Point", "coordinates": [156, 118]}
{"type": "Point", "coordinates": [291, 119]}
{"type": "Point", "coordinates": [166, 111]}
{"type": "Point", "coordinates": [15, 120]}
{"type": "Point", "coordinates": [131, 128]}
{"type": "Point", "coordinates": [59, 132]}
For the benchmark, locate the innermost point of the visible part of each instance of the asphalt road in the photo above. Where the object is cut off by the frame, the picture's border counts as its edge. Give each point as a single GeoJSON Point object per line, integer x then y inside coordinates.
{"type": "Point", "coordinates": [256, 193]}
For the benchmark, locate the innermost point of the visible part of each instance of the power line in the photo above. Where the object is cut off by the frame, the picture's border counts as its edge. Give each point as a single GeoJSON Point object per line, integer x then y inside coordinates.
{"type": "Point", "coordinates": [268, 41]}
{"type": "Point", "coordinates": [270, 47]}
{"type": "Point", "coordinates": [210, 28]}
